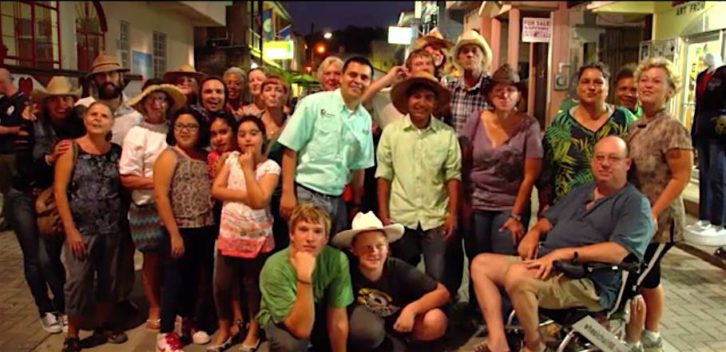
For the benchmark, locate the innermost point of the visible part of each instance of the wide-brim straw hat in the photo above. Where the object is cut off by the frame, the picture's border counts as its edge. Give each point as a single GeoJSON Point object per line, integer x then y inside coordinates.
{"type": "Point", "coordinates": [399, 93]}
{"type": "Point", "coordinates": [174, 93]}
{"type": "Point", "coordinates": [57, 86]}
{"type": "Point", "coordinates": [364, 222]}
{"type": "Point", "coordinates": [183, 70]}
{"type": "Point", "coordinates": [505, 74]}
{"type": "Point", "coordinates": [472, 37]}
{"type": "Point", "coordinates": [105, 63]}
{"type": "Point", "coordinates": [434, 37]}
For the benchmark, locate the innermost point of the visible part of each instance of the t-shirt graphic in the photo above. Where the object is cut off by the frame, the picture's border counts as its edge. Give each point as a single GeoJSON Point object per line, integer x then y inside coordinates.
{"type": "Point", "coordinates": [377, 301]}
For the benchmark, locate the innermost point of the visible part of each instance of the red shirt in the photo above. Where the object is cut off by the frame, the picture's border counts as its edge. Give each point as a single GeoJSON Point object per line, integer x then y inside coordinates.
{"type": "Point", "coordinates": [701, 85]}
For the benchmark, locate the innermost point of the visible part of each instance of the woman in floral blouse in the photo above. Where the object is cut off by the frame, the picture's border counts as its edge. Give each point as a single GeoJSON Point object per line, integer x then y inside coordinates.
{"type": "Point", "coordinates": [662, 155]}
{"type": "Point", "coordinates": [570, 139]}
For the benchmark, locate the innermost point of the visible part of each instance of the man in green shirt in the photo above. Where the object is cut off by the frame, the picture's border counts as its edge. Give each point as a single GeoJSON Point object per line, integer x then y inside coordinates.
{"type": "Point", "coordinates": [419, 173]}
{"type": "Point", "coordinates": [306, 288]}
{"type": "Point", "coordinates": [328, 142]}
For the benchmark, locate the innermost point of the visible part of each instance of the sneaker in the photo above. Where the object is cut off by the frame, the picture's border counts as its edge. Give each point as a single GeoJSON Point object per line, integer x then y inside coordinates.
{"type": "Point", "coordinates": [190, 331]}
{"type": "Point", "coordinates": [50, 323]}
{"type": "Point", "coordinates": [71, 344]}
{"type": "Point", "coordinates": [168, 343]}
{"type": "Point", "coordinates": [201, 337]}
{"type": "Point", "coordinates": [652, 342]}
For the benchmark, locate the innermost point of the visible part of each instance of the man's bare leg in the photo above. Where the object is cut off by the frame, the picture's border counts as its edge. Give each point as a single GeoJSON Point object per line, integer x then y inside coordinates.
{"type": "Point", "coordinates": [487, 275]}
{"type": "Point", "coordinates": [522, 287]}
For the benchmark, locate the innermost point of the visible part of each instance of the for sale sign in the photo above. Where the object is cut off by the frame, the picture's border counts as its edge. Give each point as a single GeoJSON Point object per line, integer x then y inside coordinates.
{"type": "Point", "coordinates": [536, 30]}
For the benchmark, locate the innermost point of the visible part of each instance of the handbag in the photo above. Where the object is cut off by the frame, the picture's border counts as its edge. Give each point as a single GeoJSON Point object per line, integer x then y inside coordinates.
{"type": "Point", "coordinates": [47, 216]}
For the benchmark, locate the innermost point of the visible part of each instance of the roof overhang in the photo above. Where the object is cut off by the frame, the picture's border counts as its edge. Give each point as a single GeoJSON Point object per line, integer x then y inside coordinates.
{"type": "Point", "coordinates": [200, 13]}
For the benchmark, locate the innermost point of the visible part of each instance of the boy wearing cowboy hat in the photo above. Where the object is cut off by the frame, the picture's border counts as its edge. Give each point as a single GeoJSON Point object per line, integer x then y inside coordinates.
{"type": "Point", "coordinates": [419, 172]}
{"type": "Point", "coordinates": [106, 77]}
{"type": "Point", "coordinates": [390, 294]}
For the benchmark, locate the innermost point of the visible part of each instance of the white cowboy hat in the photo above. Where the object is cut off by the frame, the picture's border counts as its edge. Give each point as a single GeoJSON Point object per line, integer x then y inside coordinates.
{"type": "Point", "coordinates": [472, 37]}
{"type": "Point", "coordinates": [367, 222]}
{"type": "Point", "coordinates": [58, 86]}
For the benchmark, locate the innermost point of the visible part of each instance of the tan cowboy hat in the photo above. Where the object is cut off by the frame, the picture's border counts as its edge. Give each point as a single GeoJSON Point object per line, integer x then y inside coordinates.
{"type": "Point", "coordinates": [506, 75]}
{"type": "Point", "coordinates": [399, 93]}
{"type": "Point", "coordinates": [105, 63]}
{"type": "Point", "coordinates": [472, 37]}
{"type": "Point", "coordinates": [367, 222]}
{"type": "Point", "coordinates": [58, 86]}
{"type": "Point", "coordinates": [174, 93]}
{"type": "Point", "coordinates": [183, 70]}
{"type": "Point", "coordinates": [433, 37]}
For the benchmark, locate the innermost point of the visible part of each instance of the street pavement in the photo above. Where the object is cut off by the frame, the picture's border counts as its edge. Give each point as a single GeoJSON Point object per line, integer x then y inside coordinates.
{"type": "Point", "coordinates": [694, 319]}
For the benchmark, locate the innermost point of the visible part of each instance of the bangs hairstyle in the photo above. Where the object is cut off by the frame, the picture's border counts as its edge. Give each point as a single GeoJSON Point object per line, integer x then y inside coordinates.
{"type": "Point", "coordinates": [674, 79]}
{"type": "Point", "coordinates": [595, 66]}
{"type": "Point", "coordinates": [275, 79]}
{"type": "Point", "coordinates": [419, 53]}
{"type": "Point", "coordinates": [214, 78]}
{"type": "Point", "coordinates": [310, 213]}
{"type": "Point", "coordinates": [251, 118]}
{"type": "Point", "coordinates": [203, 131]}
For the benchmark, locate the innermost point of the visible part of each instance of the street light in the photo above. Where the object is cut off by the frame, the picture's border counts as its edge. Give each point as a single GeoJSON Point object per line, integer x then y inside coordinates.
{"type": "Point", "coordinates": [320, 49]}
{"type": "Point", "coordinates": [327, 35]}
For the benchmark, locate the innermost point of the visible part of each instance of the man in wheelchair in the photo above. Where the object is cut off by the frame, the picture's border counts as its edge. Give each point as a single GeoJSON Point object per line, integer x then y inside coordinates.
{"type": "Point", "coordinates": [600, 222]}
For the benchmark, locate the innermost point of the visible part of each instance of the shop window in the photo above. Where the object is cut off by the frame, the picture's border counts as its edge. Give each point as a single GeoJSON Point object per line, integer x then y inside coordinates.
{"type": "Point", "coordinates": [29, 34]}
{"type": "Point", "coordinates": [123, 44]}
{"type": "Point", "coordinates": [90, 31]}
{"type": "Point", "coordinates": [159, 54]}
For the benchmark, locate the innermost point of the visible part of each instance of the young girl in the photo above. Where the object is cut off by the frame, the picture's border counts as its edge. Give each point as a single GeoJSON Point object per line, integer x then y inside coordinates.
{"type": "Point", "coordinates": [245, 184]}
{"type": "Point", "coordinates": [87, 190]}
{"type": "Point", "coordinates": [181, 191]}
{"type": "Point", "coordinates": [222, 140]}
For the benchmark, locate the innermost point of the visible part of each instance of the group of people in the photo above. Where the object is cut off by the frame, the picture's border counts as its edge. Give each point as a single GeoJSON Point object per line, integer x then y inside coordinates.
{"type": "Point", "coordinates": [236, 199]}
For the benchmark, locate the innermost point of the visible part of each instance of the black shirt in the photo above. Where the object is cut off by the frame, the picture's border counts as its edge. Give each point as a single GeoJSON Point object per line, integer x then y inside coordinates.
{"type": "Point", "coordinates": [399, 285]}
{"type": "Point", "coordinates": [11, 110]}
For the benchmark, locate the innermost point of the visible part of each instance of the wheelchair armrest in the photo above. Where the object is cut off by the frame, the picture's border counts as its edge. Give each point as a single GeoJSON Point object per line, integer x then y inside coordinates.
{"type": "Point", "coordinates": [574, 269]}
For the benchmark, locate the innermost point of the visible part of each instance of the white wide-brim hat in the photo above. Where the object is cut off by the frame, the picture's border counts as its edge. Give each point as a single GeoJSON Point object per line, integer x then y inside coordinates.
{"type": "Point", "coordinates": [367, 222]}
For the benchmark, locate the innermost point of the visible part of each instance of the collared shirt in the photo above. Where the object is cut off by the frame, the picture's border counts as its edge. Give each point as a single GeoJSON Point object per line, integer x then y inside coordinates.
{"type": "Point", "coordinates": [623, 218]}
{"type": "Point", "coordinates": [384, 112]}
{"type": "Point", "coordinates": [330, 141]}
{"type": "Point", "coordinates": [466, 100]}
{"type": "Point", "coordinates": [419, 162]}
{"type": "Point", "coordinates": [649, 145]}
{"type": "Point", "coordinates": [125, 117]}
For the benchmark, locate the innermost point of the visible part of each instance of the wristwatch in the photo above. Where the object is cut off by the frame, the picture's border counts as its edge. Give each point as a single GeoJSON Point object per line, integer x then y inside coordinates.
{"type": "Point", "coordinates": [516, 217]}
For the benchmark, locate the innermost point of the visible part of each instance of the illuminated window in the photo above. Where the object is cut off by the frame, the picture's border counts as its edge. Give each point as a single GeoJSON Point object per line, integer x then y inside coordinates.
{"type": "Point", "coordinates": [159, 54]}
{"type": "Point", "coordinates": [29, 34]}
{"type": "Point", "coordinates": [89, 34]}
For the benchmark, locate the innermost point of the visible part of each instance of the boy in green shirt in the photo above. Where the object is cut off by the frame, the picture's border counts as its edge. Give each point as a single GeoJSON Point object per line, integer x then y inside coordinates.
{"type": "Point", "coordinates": [306, 288]}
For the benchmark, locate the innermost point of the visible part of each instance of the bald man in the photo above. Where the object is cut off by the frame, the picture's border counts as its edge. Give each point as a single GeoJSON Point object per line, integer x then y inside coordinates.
{"type": "Point", "coordinates": [603, 221]}
{"type": "Point", "coordinates": [12, 102]}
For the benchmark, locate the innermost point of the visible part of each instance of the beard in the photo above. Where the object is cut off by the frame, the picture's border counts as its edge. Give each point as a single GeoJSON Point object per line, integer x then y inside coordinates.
{"type": "Point", "coordinates": [108, 91]}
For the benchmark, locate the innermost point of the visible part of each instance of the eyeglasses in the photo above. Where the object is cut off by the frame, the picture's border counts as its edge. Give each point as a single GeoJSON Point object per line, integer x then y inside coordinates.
{"type": "Point", "coordinates": [612, 159]}
{"type": "Point", "coordinates": [189, 128]}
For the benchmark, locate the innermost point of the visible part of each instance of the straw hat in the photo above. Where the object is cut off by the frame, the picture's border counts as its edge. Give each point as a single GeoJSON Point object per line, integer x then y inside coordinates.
{"type": "Point", "coordinates": [433, 37]}
{"type": "Point", "coordinates": [506, 75]}
{"type": "Point", "coordinates": [105, 63]}
{"type": "Point", "coordinates": [58, 86]}
{"type": "Point", "coordinates": [176, 95]}
{"type": "Point", "coordinates": [367, 222]}
{"type": "Point", "coordinates": [472, 37]}
{"type": "Point", "coordinates": [183, 70]}
{"type": "Point", "coordinates": [399, 93]}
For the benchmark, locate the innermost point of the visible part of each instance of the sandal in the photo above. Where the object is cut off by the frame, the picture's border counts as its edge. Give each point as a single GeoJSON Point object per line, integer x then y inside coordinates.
{"type": "Point", "coordinates": [221, 348]}
{"type": "Point", "coordinates": [153, 324]}
{"type": "Point", "coordinates": [254, 348]}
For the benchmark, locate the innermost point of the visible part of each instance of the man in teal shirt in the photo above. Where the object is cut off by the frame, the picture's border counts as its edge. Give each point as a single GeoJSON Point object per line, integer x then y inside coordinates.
{"type": "Point", "coordinates": [419, 173]}
{"type": "Point", "coordinates": [306, 288]}
{"type": "Point", "coordinates": [327, 140]}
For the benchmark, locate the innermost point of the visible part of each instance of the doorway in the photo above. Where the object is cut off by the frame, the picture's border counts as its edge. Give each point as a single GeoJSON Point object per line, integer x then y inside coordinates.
{"type": "Point", "coordinates": [539, 65]}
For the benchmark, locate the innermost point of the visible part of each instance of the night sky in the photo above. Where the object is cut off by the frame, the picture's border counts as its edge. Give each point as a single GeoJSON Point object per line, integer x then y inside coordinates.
{"type": "Point", "coordinates": [333, 15]}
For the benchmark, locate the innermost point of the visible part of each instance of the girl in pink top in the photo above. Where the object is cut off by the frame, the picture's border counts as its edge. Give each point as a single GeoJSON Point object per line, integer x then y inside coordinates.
{"type": "Point", "coordinates": [245, 185]}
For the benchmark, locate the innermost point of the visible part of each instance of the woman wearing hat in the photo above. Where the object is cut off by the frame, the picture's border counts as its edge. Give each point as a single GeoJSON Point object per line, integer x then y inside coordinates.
{"type": "Point", "coordinates": [390, 294]}
{"type": "Point", "coordinates": [187, 80]}
{"type": "Point", "coordinates": [142, 146]}
{"type": "Point", "coordinates": [502, 156]}
{"type": "Point", "coordinates": [37, 148]}
{"type": "Point", "coordinates": [438, 47]}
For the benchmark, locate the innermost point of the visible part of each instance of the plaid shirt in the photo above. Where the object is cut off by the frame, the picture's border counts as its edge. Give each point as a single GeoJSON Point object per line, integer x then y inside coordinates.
{"type": "Point", "coordinates": [465, 101]}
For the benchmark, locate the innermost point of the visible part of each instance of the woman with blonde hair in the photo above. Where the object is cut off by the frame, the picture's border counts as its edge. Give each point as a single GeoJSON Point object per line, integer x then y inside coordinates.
{"type": "Point", "coordinates": [662, 155]}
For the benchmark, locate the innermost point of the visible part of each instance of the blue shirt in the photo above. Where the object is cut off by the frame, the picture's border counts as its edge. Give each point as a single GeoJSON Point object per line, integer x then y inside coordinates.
{"type": "Point", "coordinates": [623, 218]}
{"type": "Point", "coordinates": [330, 141]}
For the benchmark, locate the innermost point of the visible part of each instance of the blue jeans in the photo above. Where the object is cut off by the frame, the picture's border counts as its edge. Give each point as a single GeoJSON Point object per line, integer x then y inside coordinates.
{"type": "Point", "coordinates": [712, 182]}
{"type": "Point", "coordinates": [333, 205]}
{"type": "Point", "coordinates": [41, 255]}
{"type": "Point", "coordinates": [430, 243]}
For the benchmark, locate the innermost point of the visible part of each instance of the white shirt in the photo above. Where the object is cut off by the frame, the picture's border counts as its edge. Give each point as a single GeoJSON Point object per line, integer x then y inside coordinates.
{"type": "Point", "coordinates": [124, 118]}
{"type": "Point", "coordinates": [142, 145]}
{"type": "Point", "coordinates": [383, 110]}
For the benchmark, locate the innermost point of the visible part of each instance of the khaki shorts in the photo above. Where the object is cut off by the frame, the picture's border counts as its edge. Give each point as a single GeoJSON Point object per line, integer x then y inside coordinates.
{"type": "Point", "coordinates": [559, 292]}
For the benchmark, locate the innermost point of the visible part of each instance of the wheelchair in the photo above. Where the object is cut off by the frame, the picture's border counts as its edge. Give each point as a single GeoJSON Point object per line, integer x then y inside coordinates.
{"type": "Point", "coordinates": [614, 319]}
